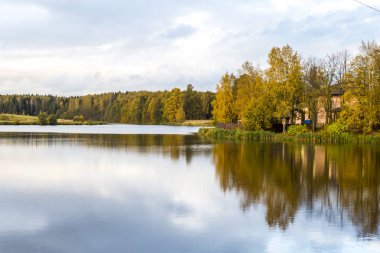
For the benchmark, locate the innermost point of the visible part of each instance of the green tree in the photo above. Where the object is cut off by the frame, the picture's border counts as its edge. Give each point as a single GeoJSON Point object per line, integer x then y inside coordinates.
{"type": "Point", "coordinates": [52, 119]}
{"type": "Point", "coordinates": [154, 110]}
{"type": "Point", "coordinates": [113, 113]}
{"type": "Point", "coordinates": [192, 103]}
{"type": "Point", "coordinates": [206, 100]}
{"type": "Point", "coordinates": [43, 118]}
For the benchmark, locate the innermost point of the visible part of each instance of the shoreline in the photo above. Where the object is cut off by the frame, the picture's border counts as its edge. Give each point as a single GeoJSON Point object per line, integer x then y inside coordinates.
{"type": "Point", "coordinates": [319, 137]}
{"type": "Point", "coordinates": [27, 120]}
{"type": "Point", "coordinates": [59, 124]}
{"type": "Point", "coordinates": [95, 123]}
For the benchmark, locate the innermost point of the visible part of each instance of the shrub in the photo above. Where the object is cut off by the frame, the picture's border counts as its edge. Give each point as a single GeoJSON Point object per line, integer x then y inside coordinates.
{"type": "Point", "coordinates": [337, 128]}
{"type": "Point", "coordinates": [43, 118]}
{"type": "Point", "coordinates": [297, 130]}
{"type": "Point", "coordinates": [52, 119]}
{"type": "Point", "coordinates": [4, 117]}
{"type": "Point", "coordinates": [78, 119]}
{"type": "Point", "coordinates": [180, 115]}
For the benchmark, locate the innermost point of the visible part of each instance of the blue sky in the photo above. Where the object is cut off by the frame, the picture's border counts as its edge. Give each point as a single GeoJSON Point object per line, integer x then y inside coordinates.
{"type": "Point", "coordinates": [69, 47]}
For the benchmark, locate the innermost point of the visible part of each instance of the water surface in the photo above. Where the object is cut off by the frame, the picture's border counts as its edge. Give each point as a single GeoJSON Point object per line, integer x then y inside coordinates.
{"type": "Point", "coordinates": [64, 192]}
{"type": "Point", "coordinates": [101, 129]}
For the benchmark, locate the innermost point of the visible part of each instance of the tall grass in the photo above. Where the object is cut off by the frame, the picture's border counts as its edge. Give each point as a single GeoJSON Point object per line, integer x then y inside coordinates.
{"type": "Point", "coordinates": [13, 119]}
{"type": "Point", "coordinates": [322, 137]}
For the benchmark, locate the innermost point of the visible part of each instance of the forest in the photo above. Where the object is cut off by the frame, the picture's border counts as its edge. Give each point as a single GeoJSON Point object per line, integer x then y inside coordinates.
{"type": "Point", "coordinates": [292, 88]}
{"type": "Point", "coordinates": [289, 91]}
{"type": "Point", "coordinates": [139, 107]}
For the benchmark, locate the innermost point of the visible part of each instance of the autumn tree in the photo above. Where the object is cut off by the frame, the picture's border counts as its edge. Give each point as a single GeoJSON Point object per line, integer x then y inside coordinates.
{"type": "Point", "coordinates": [172, 104]}
{"type": "Point", "coordinates": [223, 105]}
{"type": "Point", "coordinates": [285, 81]}
{"type": "Point", "coordinates": [252, 105]}
{"type": "Point", "coordinates": [180, 116]}
{"type": "Point", "coordinates": [115, 107]}
{"type": "Point", "coordinates": [247, 86]}
{"type": "Point", "coordinates": [335, 67]}
{"type": "Point", "coordinates": [154, 110]}
{"type": "Point", "coordinates": [314, 80]}
{"type": "Point", "coordinates": [362, 112]}
{"type": "Point", "coordinates": [133, 109]}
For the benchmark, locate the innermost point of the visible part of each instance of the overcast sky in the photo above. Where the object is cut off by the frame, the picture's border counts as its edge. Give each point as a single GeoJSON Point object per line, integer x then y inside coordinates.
{"type": "Point", "coordinates": [68, 47]}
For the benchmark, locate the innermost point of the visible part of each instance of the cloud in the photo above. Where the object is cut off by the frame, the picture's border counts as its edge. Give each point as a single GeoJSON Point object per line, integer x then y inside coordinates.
{"type": "Point", "coordinates": [16, 14]}
{"type": "Point", "coordinates": [78, 47]}
{"type": "Point", "coordinates": [179, 32]}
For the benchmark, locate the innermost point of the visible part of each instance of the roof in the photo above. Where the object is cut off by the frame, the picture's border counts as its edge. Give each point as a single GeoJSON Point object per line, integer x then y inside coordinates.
{"type": "Point", "coordinates": [339, 109]}
{"type": "Point", "coordinates": [337, 92]}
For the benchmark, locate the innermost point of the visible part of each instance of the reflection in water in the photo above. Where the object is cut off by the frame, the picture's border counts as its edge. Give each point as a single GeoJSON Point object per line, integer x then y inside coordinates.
{"type": "Point", "coordinates": [172, 145]}
{"type": "Point", "coordinates": [335, 181]}
{"type": "Point", "coordinates": [172, 193]}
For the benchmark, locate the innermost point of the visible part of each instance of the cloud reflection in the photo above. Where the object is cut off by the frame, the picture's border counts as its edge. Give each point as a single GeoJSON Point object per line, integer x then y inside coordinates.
{"type": "Point", "coordinates": [96, 193]}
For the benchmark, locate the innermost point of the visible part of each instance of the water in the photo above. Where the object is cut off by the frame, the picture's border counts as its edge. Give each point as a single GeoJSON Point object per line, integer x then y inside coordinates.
{"type": "Point", "coordinates": [62, 192]}
{"type": "Point", "coordinates": [102, 129]}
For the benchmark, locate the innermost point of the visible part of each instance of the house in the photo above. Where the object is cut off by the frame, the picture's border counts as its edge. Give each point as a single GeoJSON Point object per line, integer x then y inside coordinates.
{"type": "Point", "coordinates": [336, 101]}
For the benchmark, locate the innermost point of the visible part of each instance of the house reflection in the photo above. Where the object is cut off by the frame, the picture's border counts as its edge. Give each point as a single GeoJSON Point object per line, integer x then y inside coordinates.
{"type": "Point", "coordinates": [339, 182]}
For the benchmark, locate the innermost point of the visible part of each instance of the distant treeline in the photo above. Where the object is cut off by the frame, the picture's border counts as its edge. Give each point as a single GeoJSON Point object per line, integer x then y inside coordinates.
{"type": "Point", "coordinates": [121, 107]}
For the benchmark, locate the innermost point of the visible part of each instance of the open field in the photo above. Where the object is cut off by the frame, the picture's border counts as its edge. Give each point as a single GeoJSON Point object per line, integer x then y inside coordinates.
{"type": "Point", "coordinates": [14, 119]}
{"type": "Point", "coordinates": [198, 123]}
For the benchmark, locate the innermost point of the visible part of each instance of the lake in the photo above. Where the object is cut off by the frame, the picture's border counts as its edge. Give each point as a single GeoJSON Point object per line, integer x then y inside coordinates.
{"type": "Point", "coordinates": [118, 188]}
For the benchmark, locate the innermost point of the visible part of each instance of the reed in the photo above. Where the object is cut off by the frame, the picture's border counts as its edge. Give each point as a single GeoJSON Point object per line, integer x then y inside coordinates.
{"type": "Point", "coordinates": [319, 137]}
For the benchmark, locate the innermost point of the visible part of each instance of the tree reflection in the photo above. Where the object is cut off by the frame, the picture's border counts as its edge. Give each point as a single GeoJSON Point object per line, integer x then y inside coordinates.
{"type": "Point", "coordinates": [338, 182]}
{"type": "Point", "coordinates": [175, 146]}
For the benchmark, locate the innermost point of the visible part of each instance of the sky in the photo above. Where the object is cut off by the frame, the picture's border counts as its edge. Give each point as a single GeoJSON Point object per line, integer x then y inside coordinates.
{"type": "Point", "coordinates": [77, 47]}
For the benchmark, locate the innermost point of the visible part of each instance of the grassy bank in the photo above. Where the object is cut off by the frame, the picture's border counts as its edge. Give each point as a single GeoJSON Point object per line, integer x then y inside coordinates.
{"type": "Point", "coordinates": [13, 119]}
{"type": "Point", "coordinates": [322, 137]}
{"type": "Point", "coordinates": [197, 123]}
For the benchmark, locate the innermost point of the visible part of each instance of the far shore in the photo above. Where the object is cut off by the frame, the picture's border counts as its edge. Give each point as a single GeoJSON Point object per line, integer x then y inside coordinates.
{"type": "Point", "coordinates": [25, 120]}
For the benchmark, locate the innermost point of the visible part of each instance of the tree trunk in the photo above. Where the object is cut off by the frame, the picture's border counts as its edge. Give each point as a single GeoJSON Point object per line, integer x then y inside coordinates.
{"type": "Point", "coordinates": [284, 125]}
{"type": "Point", "coordinates": [293, 117]}
{"type": "Point", "coordinates": [314, 121]}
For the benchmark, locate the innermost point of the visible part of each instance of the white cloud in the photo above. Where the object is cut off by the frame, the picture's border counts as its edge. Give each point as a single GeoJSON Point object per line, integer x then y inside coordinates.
{"type": "Point", "coordinates": [64, 47]}
{"type": "Point", "coordinates": [17, 14]}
